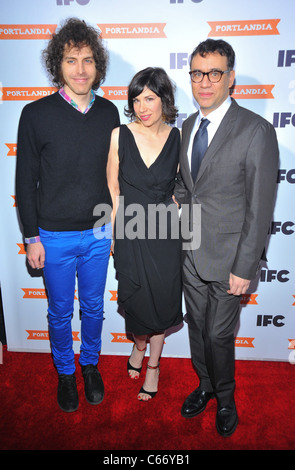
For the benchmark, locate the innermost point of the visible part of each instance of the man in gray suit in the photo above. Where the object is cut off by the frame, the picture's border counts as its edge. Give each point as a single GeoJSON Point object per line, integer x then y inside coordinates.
{"type": "Point", "coordinates": [234, 182]}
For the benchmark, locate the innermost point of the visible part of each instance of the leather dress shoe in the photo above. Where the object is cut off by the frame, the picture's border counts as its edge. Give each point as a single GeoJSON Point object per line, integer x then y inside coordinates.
{"type": "Point", "coordinates": [226, 421]}
{"type": "Point", "coordinates": [93, 384]}
{"type": "Point", "coordinates": [67, 394]}
{"type": "Point", "coordinates": [195, 403]}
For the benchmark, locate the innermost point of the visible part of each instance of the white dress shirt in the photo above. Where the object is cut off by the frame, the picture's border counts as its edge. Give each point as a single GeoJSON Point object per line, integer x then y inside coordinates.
{"type": "Point", "coordinates": [215, 118]}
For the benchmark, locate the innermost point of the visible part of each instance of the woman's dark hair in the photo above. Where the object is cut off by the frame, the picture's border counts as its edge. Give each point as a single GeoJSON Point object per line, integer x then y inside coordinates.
{"type": "Point", "coordinates": [75, 33]}
{"type": "Point", "coordinates": [157, 80]}
{"type": "Point", "coordinates": [216, 45]}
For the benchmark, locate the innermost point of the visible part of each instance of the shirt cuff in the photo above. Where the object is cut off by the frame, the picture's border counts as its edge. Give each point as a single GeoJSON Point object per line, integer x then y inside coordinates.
{"type": "Point", "coordinates": [32, 240]}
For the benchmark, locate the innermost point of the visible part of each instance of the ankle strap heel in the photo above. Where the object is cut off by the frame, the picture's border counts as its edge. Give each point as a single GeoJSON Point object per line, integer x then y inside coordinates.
{"type": "Point", "coordinates": [146, 392]}
{"type": "Point", "coordinates": [130, 367]}
{"type": "Point", "coordinates": [153, 367]}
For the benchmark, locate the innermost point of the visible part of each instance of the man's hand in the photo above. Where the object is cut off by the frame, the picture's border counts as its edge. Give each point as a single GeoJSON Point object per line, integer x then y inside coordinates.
{"type": "Point", "coordinates": [36, 255]}
{"type": "Point", "coordinates": [237, 285]}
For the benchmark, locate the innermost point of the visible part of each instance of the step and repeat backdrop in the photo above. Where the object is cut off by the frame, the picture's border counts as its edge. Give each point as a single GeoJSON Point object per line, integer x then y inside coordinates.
{"type": "Point", "coordinates": [138, 34]}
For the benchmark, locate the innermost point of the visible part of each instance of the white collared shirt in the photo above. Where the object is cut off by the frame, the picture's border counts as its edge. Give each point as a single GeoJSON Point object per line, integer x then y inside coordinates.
{"type": "Point", "coordinates": [215, 118]}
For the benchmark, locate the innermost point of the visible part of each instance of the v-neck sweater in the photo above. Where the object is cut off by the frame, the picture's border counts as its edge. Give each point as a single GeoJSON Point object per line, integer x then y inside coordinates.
{"type": "Point", "coordinates": [61, 164]}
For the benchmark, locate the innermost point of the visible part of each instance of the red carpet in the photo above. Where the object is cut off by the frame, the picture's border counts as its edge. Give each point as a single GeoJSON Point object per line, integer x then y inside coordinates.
{"type": "Point", "coordinates": [31, 419]}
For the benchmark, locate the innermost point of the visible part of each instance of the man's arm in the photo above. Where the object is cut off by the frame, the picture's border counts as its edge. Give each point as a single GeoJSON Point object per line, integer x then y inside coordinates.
{"type": "Point", "coordinates": [27, 178]}
{"type": "Point", "coordinates": [113, 173]}
{"type": "Point", "coordinates": [260, 184]}
{"type": "Point", "coordinates": [27, 174]}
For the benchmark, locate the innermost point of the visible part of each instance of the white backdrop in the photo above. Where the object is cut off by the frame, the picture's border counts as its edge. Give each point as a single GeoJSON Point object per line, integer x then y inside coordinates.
{"type": "Point", "coordinates": [138, 34]}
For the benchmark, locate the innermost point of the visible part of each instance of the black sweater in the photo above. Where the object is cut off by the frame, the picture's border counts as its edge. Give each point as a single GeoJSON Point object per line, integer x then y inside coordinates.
{"type": "Point", "coordinates": [61, 163]}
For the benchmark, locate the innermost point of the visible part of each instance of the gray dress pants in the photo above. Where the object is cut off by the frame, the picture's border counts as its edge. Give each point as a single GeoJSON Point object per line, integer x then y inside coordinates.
{"type": "Point", "coordinates": [212, 316]}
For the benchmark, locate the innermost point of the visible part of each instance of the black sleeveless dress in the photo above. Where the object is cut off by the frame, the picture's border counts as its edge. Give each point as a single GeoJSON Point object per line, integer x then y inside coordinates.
{"type": "Point", "coordinates": [147, 238]}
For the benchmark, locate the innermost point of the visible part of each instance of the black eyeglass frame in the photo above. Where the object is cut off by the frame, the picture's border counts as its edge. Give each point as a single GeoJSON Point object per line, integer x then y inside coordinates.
{"type": "Point", "coordinates": [222, 72]}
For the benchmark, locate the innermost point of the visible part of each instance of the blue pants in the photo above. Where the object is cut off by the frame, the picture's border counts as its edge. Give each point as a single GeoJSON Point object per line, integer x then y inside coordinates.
{"type": "Point", "coordinates": [86, 254]}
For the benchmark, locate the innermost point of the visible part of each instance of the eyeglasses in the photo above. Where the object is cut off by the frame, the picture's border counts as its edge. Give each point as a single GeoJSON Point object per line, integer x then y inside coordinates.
{"type": "Point", "coordinates": [214, 76]}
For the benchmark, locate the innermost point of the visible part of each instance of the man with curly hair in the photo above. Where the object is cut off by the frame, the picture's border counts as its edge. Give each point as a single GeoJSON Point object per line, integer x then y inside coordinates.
{"type": "Point", "coordinates": [63, 144]}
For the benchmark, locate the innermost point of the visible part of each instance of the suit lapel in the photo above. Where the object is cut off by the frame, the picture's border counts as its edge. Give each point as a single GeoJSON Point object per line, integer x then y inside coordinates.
{"type": "Point", "coordinates": [186, 134]}
{"type": "Point", "coordinates": [219, 138]}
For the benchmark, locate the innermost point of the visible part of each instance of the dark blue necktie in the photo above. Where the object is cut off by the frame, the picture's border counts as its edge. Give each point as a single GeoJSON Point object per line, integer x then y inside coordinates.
{"type": "Point", "coordinates": [200, 145]}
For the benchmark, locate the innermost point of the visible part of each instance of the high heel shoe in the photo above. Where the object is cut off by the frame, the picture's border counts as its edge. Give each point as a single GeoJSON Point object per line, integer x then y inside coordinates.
{"type": "Point", "coordinates": [131, 367]}
{"type": "Point", "coordinates": [142, 390]}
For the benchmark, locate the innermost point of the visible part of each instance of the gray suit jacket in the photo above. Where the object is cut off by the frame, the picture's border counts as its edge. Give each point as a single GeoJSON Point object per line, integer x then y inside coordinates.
{"type": "Point", "coordinates": [235, 187]}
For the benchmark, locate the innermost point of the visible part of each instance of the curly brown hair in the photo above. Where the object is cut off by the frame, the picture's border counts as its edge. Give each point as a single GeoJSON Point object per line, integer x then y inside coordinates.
{"type": "Point", "coordinates": [75, 33]}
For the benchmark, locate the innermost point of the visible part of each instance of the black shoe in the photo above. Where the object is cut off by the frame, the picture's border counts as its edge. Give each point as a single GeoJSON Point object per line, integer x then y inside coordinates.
{"type": "Point", "coordinates": [195, 403]}
{"type": "Point", "coordinates": [67, 394]}
{"type": "Point", "coordinates": [94, 388]}
{"type": "Point", "coordinates": [226, 421]}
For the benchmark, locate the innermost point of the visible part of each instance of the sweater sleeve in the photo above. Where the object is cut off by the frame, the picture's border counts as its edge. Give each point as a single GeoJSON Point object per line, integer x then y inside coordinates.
{"type": "Point", "coordinates": [27, 173]}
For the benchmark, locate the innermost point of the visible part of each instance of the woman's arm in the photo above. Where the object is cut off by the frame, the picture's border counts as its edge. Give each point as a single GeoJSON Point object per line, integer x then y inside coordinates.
{"type": "Point", "coordinates": [113, 173]}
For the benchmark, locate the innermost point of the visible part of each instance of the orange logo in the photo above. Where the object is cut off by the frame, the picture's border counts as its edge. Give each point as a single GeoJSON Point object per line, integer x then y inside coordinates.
{"type": "Point", "coordinates": [22, 250]}
{"type": "Point", "coordinates": [36, 293]}
{"type": "Point", "coordinates": [251, 92]}
{"type": "Point", "coordinates": [243, 28]}
{"type": "Point", "coordinates": [37, 334]}
{"type": "Point", "coordinates": [27, 31]}
{"type": "Point", "coordinates": [115, 92]}
{"type": "Point", "coordinates": [244, 342]}
{"type": "Point", "coordinates": [114, 294]}
{"type": "Point", "coordinates": [120, 338]}
{"type": "Point", "coordinates": [294, 298]}
{"type": "Point", "coordinates": [291, 343]}
{"type": "Point", "coordinates": [15, 203]}
{"type": "Point", "coordinates": [44, 335]}
{"type": "Point", "coordinates": [26, 93]}
{"type": "Point", "coordinates": [132, 30]}
{"type": "Point", "coordinates": [249, 299]}
{"type": "Point", "coordinates": [11, 150]}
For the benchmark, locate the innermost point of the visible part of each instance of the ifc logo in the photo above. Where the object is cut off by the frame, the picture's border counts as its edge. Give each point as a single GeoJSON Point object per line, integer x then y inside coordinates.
{"type": "Point", "coordinates": [181, 1]}
{"type": "Point", "coordinates": [68, 2]}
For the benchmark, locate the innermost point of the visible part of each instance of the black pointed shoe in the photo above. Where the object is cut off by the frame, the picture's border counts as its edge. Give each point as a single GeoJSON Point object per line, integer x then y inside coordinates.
{"type": "Point", "coordinates": [67, 394]}
{"type": "Point", "coordinates": [195, 403]}
{"type": "Point", "coordinates": [226, 421]}
{"type": "Point", "coordinates": [93, 384]}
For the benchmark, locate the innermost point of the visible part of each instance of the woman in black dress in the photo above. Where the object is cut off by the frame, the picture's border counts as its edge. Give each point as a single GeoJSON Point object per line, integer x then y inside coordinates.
{"type": "Point", "coordinates": [141, 170]}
